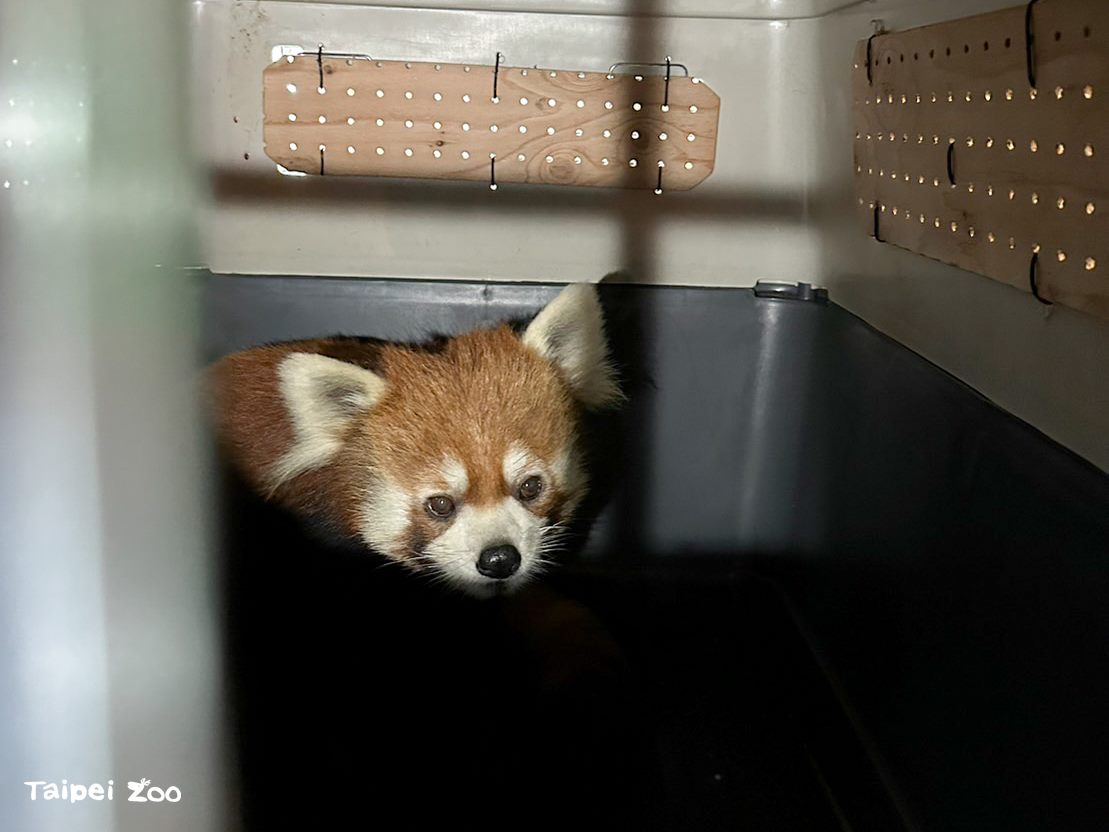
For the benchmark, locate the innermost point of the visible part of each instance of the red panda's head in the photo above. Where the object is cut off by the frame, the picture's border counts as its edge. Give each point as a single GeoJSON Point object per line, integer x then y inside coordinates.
{"type": "Point", "coordinates": [459, 459]}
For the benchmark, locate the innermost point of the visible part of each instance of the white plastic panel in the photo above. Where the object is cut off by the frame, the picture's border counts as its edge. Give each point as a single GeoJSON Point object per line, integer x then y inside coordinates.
{"type": "Point", "coordinates": [110, 657]}
{"type": "Point", "coordinates": [778, 205]}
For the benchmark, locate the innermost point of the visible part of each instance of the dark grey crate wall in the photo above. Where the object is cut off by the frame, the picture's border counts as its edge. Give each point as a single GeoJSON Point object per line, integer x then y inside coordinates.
{"type": "Point", "coordinates": [945, 561]}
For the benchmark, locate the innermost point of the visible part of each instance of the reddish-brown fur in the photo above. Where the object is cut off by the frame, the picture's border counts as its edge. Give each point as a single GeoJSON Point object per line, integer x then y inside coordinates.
{"type": "Point", "coordinates": [471, 400]}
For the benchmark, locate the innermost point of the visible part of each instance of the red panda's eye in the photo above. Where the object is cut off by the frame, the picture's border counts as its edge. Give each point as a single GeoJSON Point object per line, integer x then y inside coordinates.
{"type": "Point", "coordinates": [440, 506]}
{"type": "Point", "coordinates": [530, 488]}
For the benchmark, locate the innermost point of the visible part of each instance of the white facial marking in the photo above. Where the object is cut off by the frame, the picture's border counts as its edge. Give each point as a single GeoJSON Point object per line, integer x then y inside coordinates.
{"type": "Point", "coordinates": [454, 474]}
{"type": "Point", "coordinates": [321, 396]}
{"type": "Point", "coordinates": [519, 463]}
{"type": "Point", "coordinates": [385, 516]}
{"type": "Point", "coordinates": [474, 529]}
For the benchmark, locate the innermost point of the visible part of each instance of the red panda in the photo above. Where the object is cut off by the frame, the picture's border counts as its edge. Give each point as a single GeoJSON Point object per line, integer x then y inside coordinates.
{"type": "Point", "coordinates": [459, 458]}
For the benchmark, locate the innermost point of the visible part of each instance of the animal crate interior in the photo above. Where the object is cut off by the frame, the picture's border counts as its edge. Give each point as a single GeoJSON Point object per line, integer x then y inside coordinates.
{"type": "Point", "coordinates": [823, 548]}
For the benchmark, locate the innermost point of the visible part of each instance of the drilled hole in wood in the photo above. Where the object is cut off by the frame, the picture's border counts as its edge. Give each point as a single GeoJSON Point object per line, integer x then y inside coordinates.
{"type": "Point", "coordinates": [323, 119]}
{"type": "Point", "coordinates": [1088, 92]}
{"type": "Point", "coordinates": [550, 131]}
{"type": "Point", "coordinates": [1060, 203]}
{"type": "Point", "coordinates": [1091, 264]}
{"type": "Point", "coordinates": [380, 122]}
{"type": "Point", "coordinates": [1033, 145]}
{"type": "Point", "coordinates": [438, 125]}
{"type": "Point", "coordinates": [321, 90]}
{"type": "Point", "coordinates": [1058, 93]}
{"type": "Point", "coordinates": [1032, 94]}
{"type": "Point", "coordinates": [380, 151]}
{"type": "Point", "coordinates": [292, 116]}
{"type": "Point", "coordinates": [635, 134]}
{"type": "Point", "coordinates": [632, 163]}
{"type": "Point", "coordinates": [437, 96]}
{"type": "Point", "coordinates": [408, 123]}
{"type": "Point", "coordinates": [291, 88]}
{"type": "Point", "coordinates": [1008, 95]}
{"type": "Point", "coordinates": [465, 154]}
{"type": "Point", "coordinates": [1035, 198]}
{"type": "Point", "coordinates": [1088, 150]}
{"type": "Point", "coordinates": [988, 95]}
{"type": "Point", "coordinates": [436, 153]}
{"type": "Point", "coordinates": [688, 166]}
{"type": "Point", "coordinates": [549, 159]}
{"type": "Point", "coordinates": [350, 120]}
{"type": "Point", "coordinates": [604, 162]}
{"type": "Point", "coordinates": [1090, 208]}
{"type": "Point", "coordinates": [1060, 149]}
{"type": "Point", "coordinates": [350, 91]}
{"type": "Point", "coordinates": [465, 126]}
{"type": "Point", "coordinates": [608, 105]}
{"type": "Point", "coordinates": [408, 151]}
{"type": "Point", "coordinates": [520, 157]}
{"type": "Point", "coordinates": [350, 149]}
{"type": "Point", "coordinates": [637, 106]}
{"type": "Point", "coordinates": [466, 98]}
{"type": "Point", "coordinates": [1061, 256]}
{"type": "Point", "coordinates": [581, 103]}
{"type": "Point", "coordinates": [523, 129]}
{"type": "Point", "coordinates": [379, 93]}
{"type": "Point", "coordinates": [292, 145]}
{"type": "Point", "coordinates": [551, 102]}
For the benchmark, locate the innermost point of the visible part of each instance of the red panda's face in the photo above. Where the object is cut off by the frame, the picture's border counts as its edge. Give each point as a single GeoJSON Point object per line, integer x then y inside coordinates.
{"type": "Point", "coordinates": [461, 462]}
{"type": "Point", "coordinates": [468, 462]}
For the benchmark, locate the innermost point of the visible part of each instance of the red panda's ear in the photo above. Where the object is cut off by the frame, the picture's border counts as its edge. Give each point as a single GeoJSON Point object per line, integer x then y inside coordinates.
{"type": "Point", "coordinates": [322, 395]}
{"type": "Point", "coordinates": [283, 412]}
{"type": "Point", "coordinates": [570, 332]}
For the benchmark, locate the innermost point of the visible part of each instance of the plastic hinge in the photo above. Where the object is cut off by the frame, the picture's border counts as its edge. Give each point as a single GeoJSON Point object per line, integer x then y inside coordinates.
{"type": "Point", "coordinates": [790, 291]}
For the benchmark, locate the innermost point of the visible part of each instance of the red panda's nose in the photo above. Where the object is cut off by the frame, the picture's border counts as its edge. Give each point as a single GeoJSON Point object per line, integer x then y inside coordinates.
{"type": "Point", "coordinates": [498, 562]}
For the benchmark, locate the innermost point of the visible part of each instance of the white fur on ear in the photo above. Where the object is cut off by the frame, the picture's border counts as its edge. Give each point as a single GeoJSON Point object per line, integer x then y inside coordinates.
{"type": "Point", "coordinates": [570, 331]}
{"type": "Point", "coordinates": [321, 396]}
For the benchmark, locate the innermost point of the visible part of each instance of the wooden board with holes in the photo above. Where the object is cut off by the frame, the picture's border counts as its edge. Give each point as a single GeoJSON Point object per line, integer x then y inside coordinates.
{"type": "Point", "coordinates": [440, 121]}
{"type": "Point", "coordinates": [960, 158]}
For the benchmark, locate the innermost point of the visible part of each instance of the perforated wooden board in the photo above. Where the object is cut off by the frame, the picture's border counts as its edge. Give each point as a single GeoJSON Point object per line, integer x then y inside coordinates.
{"type": "Point", "coordinates": [440, 121]}
{"type": "Point", "coordinates": [1030, 165]}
